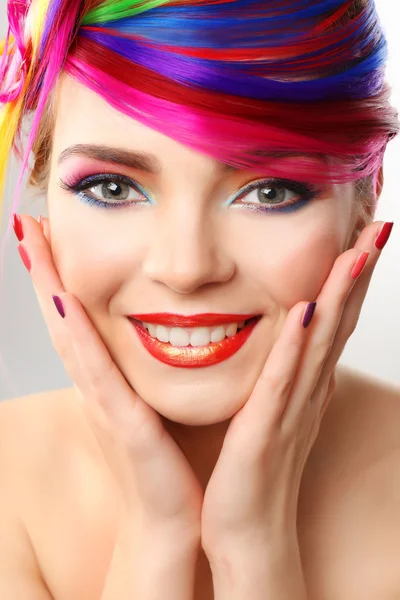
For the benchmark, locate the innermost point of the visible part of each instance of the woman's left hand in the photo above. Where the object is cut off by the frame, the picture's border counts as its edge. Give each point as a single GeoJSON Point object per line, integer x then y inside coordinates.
{"type": "Point", "coordinates": [252, 496]}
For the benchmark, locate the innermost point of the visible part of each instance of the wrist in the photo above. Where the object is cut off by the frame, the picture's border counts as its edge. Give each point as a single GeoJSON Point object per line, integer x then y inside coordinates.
{"type": "Point", "coordinates": [180, 540]}
{"type": "Point", "coordinates": [256, 547]}
{"type": "Point", "coordinates": [258, 573]}
{"type": "Point", "coordinates": [150, 565]}
{"type": "Point", "coordinates": [162, 533]}
{"type": "Point", "coordinates": [175, 546]}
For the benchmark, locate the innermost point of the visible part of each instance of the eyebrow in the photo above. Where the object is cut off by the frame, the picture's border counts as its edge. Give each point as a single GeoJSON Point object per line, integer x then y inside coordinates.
{"type": "Point", "coordinates": [142, 161]}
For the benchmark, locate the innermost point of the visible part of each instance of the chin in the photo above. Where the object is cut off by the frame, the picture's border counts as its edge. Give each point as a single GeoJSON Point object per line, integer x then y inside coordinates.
{"type": "Point", "coordinates": [194, 404]}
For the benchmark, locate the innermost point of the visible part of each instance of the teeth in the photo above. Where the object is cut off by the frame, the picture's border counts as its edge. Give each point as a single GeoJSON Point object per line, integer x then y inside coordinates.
{"type": "Point", "coordinates": [193, 336]}
{"type": "Point", "coordinates": [162, 333]}
{"type": "Point", "coordinates": [152, 329]}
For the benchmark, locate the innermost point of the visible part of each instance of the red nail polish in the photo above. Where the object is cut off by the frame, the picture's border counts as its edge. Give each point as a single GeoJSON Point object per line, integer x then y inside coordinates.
{"type": "Point", "coordinates": [360, 264]}
{"type": "Point", "coordinates": [24, 255]}
{"type": "Point", "coordinates": [19, 232]}
{"type": "Point", "coordinates": [383, 235]}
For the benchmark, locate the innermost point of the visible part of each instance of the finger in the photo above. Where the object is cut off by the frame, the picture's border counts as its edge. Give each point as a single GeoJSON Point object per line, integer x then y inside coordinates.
{"type": "Point", "coordinates": [332, 304]}
{"type": "Point", "coordinates": [265, 408]}
{"type": "Point", "coordinates": [45, 279]}
{"type": "Point", "coordinates": [328, 393]}
{"type": "Point", "coordinates": [357, 296]}
{"type": "Point", "coordinates": [46, 229]}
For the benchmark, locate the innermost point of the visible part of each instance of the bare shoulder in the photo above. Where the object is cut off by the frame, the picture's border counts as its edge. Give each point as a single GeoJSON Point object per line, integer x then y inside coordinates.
{"type": "Point", "coordinates": [348, 509]}
{"type": "Point", "coordinates": [363, 385]}
{"type": "Point", "coordinates": [58, 506]}
{"type": "Point", "coordinates": [360, 429]}
{"type": "Point", "coordinates": [38, 432]}
{"type": "Point", "coordinates": [365, 396]}
{"type": "Point", "coordinates": [25, 423]}
{"type": "Point", "coordinates": [29, 424]}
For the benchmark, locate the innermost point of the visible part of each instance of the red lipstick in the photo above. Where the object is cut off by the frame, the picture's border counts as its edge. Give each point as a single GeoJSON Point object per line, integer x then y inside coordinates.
{"type": "Point", "coordinates": [191, 356]}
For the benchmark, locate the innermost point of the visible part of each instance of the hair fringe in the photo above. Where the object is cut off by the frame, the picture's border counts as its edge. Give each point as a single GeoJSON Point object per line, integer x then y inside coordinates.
{"type": "Point", "coordinates": [14, 113]}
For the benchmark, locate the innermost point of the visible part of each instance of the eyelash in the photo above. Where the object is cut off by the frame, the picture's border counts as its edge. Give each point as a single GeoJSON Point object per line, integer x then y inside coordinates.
{"type": "Point", "coordinates": [306, 192]}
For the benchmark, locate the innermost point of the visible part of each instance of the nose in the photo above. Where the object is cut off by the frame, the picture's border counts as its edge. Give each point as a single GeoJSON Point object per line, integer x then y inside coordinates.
{"type": "Point", "coordinates": [185, 253]}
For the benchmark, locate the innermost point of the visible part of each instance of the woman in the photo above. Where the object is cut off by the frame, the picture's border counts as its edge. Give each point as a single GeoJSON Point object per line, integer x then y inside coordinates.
{"type": "Point", "coordinates": [210, 446]}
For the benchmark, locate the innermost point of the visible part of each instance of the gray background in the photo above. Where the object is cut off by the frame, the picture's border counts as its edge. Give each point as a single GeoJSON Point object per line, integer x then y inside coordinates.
{"type": "Point", "coordinates": [29, 364]}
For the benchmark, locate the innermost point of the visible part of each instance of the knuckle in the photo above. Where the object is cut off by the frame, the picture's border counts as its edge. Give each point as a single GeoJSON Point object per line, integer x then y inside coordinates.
{"type": "Point", "coordinates": [344, 258]}
{"type": "Point", "coordinates": [350, 330]}
{"type": "Point", "coordinates": [97, 374]}
{"type": "Point", "coordinates": [331, 384]}
{"type": "Point", "coordinates": [61, 346]}
{"type": "Point", "coordinates": [342, 293]}
{"type": "Point", "coordinates": [96, 378]}
{"type": "Point", "coordinates": [321, 352]}
{"type": "Point", "coordinates": [279, 385]}
{"type": "Point", "coordinates": [353, 325]}
{"type": "Point", "coordinates": [349, 326]}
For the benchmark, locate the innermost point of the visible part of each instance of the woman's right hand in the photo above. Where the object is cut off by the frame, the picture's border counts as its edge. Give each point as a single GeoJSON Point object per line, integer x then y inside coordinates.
{"type": "Point", "coordinates": [159, 489]}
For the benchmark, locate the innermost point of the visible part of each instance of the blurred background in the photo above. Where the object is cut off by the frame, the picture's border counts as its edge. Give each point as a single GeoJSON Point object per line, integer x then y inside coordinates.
{"type": "Point", "coordinates": [29, 363]}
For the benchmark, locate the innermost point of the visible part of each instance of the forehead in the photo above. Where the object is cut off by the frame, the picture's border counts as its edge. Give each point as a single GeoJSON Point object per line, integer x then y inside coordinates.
{"type": "Point", "coordinates": [82, 116]}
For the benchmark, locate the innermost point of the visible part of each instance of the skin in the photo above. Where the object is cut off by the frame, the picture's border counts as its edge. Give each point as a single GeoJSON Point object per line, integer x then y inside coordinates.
{"type": "Point", "coordinates": [185, 256]}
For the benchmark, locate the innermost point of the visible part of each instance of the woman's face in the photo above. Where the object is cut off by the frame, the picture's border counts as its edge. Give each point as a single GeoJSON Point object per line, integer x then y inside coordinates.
{"type": "Point", "coordinates": [183, 250]}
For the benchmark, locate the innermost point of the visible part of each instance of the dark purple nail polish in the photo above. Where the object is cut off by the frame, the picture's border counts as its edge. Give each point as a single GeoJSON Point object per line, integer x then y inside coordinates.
{"type": "Point", "coordinates": [308, 314]}
{"type": "Point", "coordinates": [59, 305]}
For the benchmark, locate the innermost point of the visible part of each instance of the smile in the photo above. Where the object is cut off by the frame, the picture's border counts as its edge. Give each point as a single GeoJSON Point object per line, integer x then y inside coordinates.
{"type": "Point", "coordinates": [191, 347]}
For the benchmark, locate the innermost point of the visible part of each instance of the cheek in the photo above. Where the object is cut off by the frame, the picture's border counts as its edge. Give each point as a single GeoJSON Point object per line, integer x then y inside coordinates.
{"type": "Point", "coordinates": [94, 249]}
{"type": "Point", "coordinates": [297, 270]}
{"type": "Point", "coordinates": [89, 265]}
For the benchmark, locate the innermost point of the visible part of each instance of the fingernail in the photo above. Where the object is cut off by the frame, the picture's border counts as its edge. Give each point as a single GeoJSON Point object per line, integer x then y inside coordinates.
{"type": "Point", "coordinates": [384, 235]}
{"type": "Point", "coordinates": [19, 232]}
{"type": "Point", "coordinates": [59, 305]}
{"type": "Point", "coordinates": [360, 264]}
{"type": "Point", "coordinates": [309, 313]}
{"type": "Point", "coordinates": [40, 221]}
{"type": "Point", "coordinates": [24, 255]}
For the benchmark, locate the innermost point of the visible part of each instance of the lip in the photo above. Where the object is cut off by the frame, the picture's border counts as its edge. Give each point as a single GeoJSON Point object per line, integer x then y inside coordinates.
{"type": "Point", "coordinates": [199, 320]}
{"type": "Point", "coordinates": [191, 356]}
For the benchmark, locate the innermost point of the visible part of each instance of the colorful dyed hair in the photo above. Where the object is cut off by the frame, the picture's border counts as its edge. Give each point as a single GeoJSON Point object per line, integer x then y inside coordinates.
{"type": "Point", "coordinates": [233, 79]}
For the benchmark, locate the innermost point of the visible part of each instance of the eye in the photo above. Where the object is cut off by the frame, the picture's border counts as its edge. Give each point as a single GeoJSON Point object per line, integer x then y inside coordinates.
{"type": "Point", "coordinates": [106, 191]}
{"type": "Point", "coordinates": [275, 195]}
{"type": "Point", "coordinates": [269, 194]}
{"type": "Point", "coordinates": [113, 190]}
